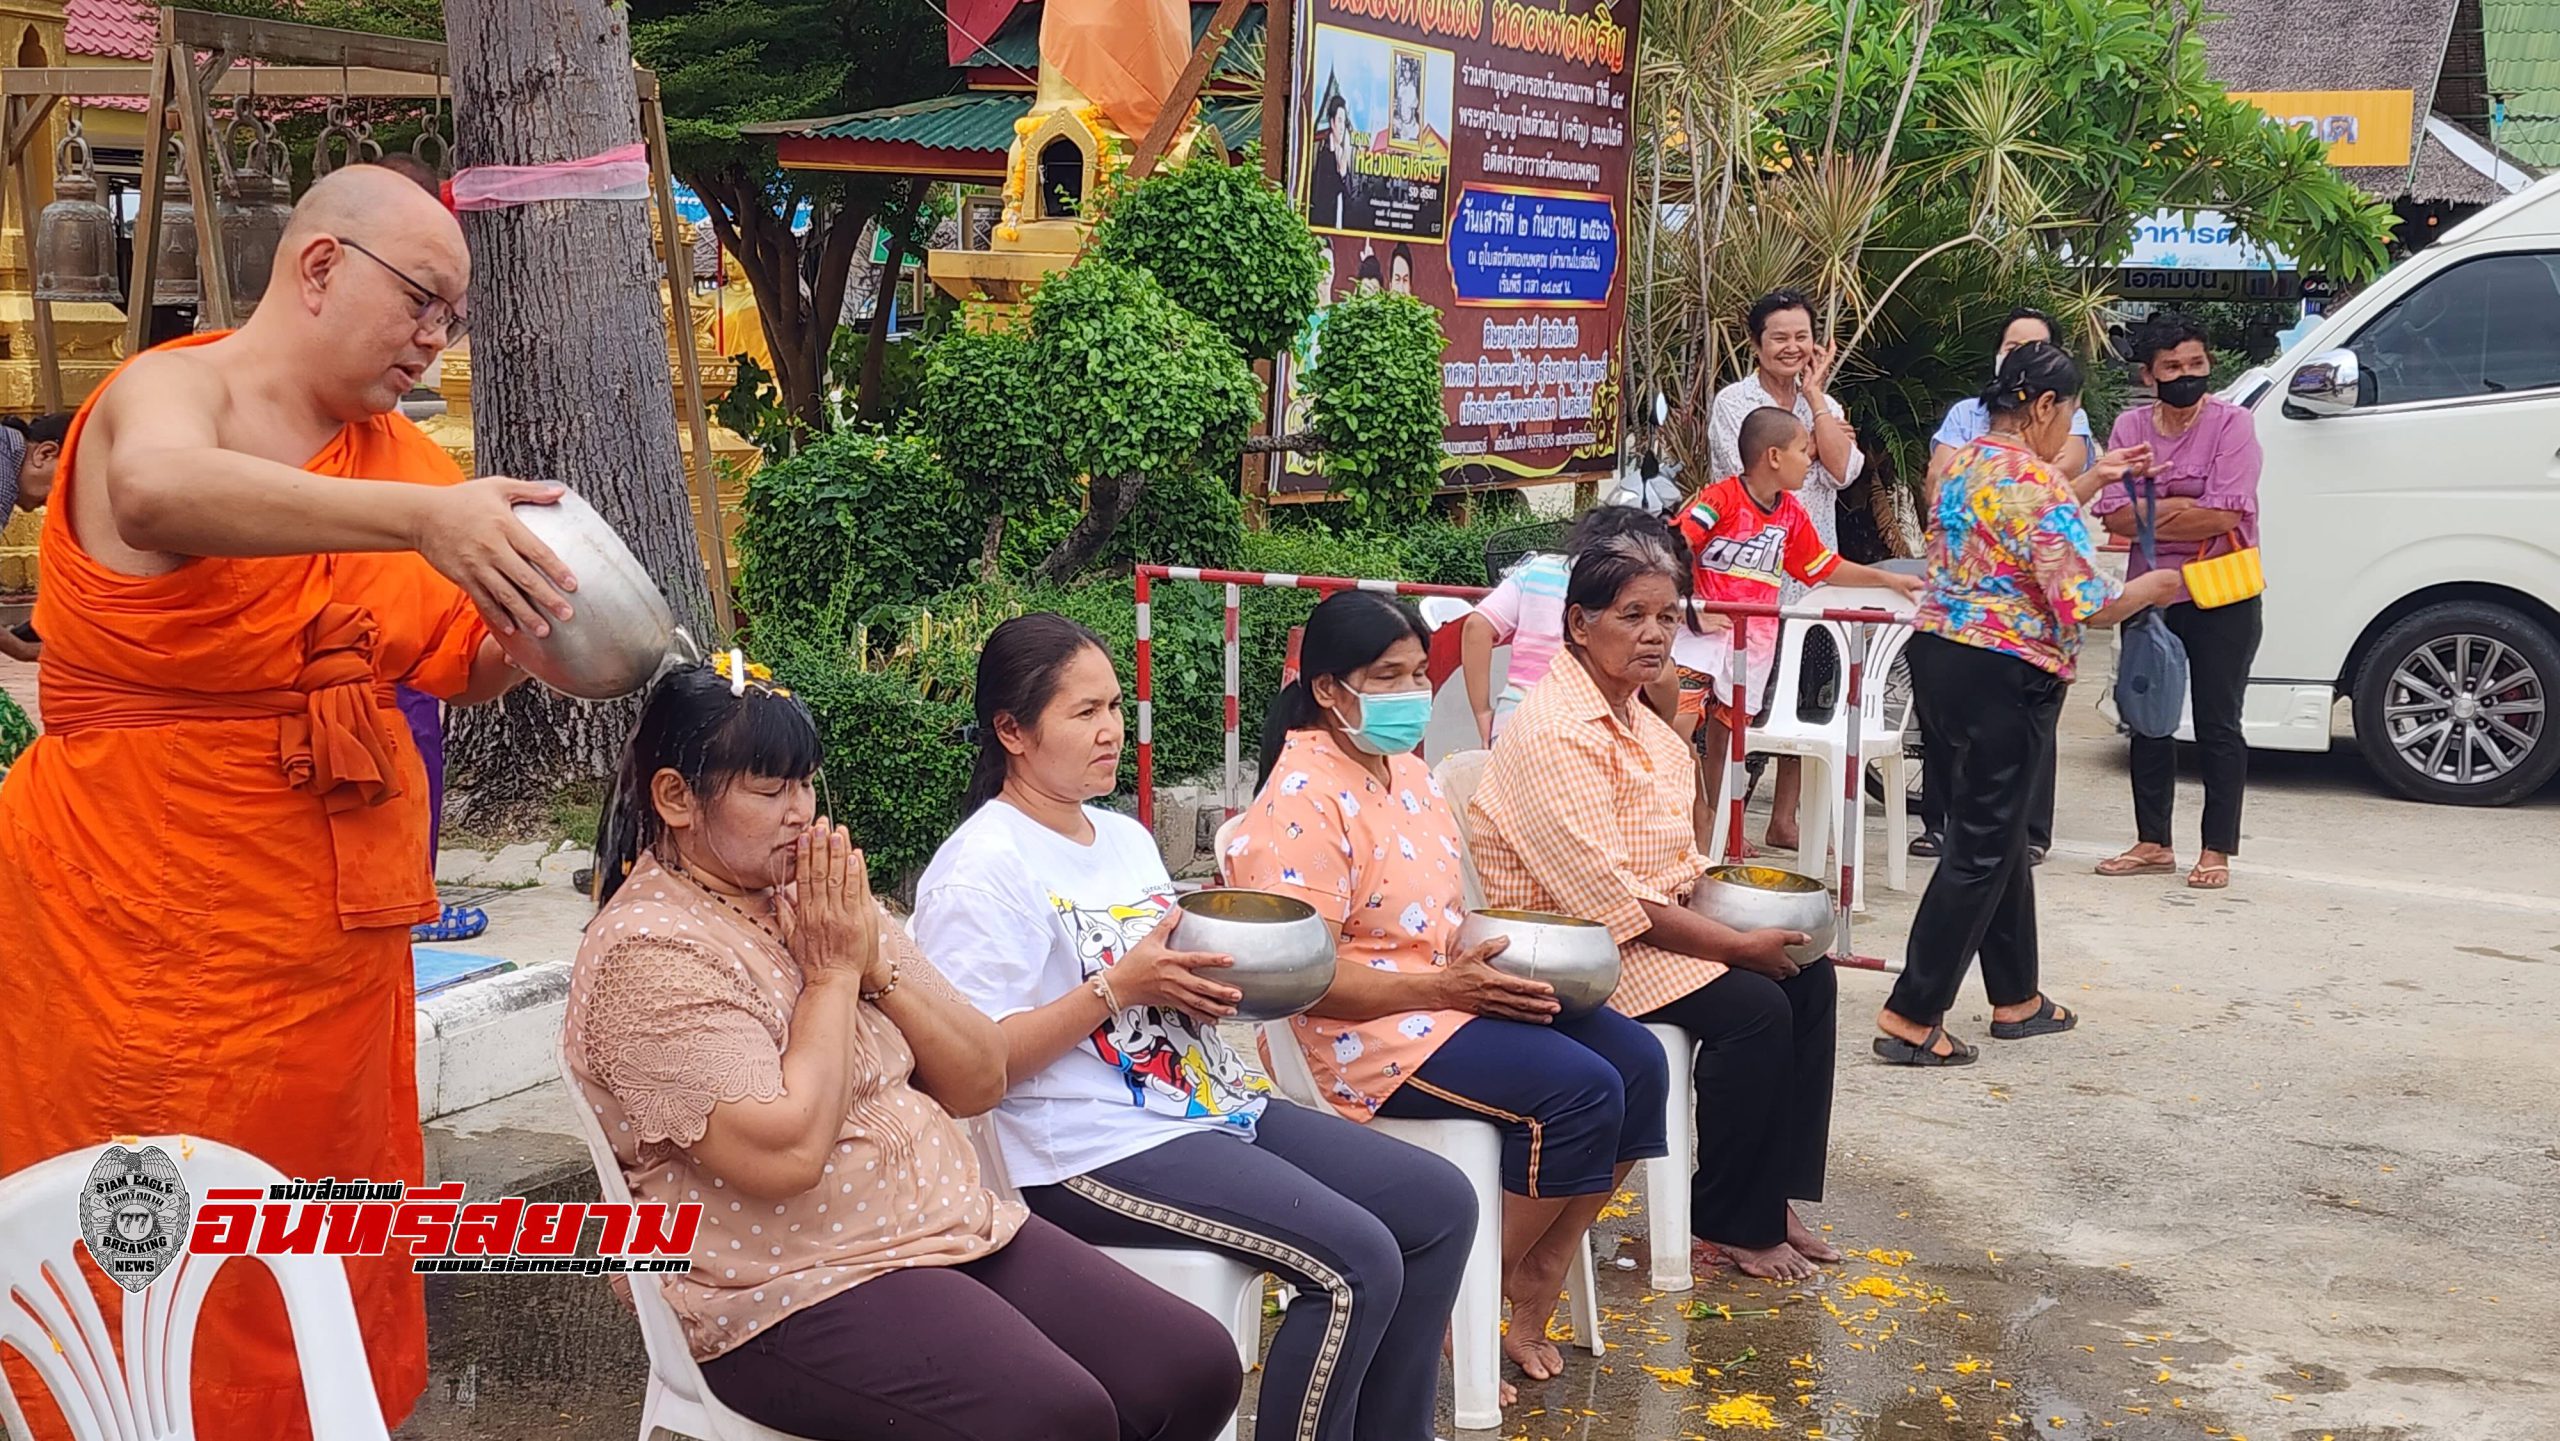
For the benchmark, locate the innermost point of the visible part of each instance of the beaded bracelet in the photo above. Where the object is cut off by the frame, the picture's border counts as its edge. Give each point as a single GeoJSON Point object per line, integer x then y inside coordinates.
{"type": "Point", "coordinates": [1102, 991]}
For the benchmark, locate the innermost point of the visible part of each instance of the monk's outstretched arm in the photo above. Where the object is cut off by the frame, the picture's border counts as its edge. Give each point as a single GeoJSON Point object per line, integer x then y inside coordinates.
{"type": "Point", "coordinates": [172, 490]}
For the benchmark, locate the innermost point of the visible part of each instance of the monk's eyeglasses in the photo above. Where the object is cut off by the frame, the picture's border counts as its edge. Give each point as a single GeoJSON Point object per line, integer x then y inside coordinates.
{"type": "Point", "coordinates": [434, 311]}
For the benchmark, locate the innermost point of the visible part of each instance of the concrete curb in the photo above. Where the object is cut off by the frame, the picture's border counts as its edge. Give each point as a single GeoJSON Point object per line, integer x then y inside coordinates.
{"type": "Point", "coordinates": [489, 1038]}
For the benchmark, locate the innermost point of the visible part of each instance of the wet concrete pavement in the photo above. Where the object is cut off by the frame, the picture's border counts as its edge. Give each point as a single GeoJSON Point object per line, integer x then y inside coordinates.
{"type": "Point", "coordinates": [2291, 1181]}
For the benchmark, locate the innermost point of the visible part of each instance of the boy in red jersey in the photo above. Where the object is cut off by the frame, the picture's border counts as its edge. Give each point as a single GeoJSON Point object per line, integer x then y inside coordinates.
{"type": "Point", "coordinates": [1747, 533]}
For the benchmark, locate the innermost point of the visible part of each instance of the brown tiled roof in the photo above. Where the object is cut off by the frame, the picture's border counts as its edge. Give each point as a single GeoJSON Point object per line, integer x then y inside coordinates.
{"type": "Point", "coordinates": [113, 29]}
{"type": "Point", "coordinates": [2267, 45]}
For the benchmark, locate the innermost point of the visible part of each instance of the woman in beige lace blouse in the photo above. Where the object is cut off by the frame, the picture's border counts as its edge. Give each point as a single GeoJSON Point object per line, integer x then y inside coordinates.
{"type": "Point", "coordinates": [758, 1036]}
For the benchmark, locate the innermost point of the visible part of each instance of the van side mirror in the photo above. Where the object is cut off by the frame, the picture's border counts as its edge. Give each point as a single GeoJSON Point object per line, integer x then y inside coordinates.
{"type": "Point", "coordinates": [2330, 383]}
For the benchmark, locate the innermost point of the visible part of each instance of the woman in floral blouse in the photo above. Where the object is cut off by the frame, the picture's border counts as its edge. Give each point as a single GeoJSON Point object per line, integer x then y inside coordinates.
{"type": "Point", "coordinates": [2013, 582]}
{"type": "Point", "coordinates": [1351, 822]}
{"type": "Point", "coordinates": [759, 1038]}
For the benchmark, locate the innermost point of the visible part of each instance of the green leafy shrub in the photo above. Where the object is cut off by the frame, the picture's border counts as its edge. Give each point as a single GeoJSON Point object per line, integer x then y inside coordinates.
{"type": "Point", "coordinates": [1193, 516]}
{"type": "Point", "coordinates": [1226, 244]}
{"type": "Point", "coordinates": [1134, 384]}
{"type": "Point", "coordinates": [895, 765]}
{"type": "Point", "coordinates": [1374, 393]}
{"type": "Point", "coordinates": [980, 405]}
{"type": "Point", "coordinates": [16, 732]}
{"type": "Point", "coordinates": [855, 520]}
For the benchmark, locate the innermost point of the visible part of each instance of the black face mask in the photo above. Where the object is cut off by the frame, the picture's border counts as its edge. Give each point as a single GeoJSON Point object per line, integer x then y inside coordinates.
{"type": "Point", "coordinates": [2184, 391]}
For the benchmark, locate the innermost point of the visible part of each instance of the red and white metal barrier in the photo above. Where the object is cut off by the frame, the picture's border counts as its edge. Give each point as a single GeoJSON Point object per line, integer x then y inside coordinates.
{"type": "Point", "coordinates": [1859, 625]}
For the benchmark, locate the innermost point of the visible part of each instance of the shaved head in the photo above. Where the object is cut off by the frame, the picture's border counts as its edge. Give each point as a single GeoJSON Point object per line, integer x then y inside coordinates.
{"type": "Point", "coordinates": [370, 200]}
{"type": "Point", "coordinates": [370, 264]}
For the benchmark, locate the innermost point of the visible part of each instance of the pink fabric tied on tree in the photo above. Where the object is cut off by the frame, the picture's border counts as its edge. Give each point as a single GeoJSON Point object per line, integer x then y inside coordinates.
{"type": "Point", "coordinates": [617, 174]}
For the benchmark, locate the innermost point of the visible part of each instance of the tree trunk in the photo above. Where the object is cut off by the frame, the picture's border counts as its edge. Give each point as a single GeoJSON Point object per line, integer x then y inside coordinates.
{"type": "Point", "coordinates": [799, 323]}
{"type": "Point", "coordinates": [900, 222]}
{"type": "Point", "coordinates": [1107, 503]}
{"type": "Point", "coordinates": [569, 351]}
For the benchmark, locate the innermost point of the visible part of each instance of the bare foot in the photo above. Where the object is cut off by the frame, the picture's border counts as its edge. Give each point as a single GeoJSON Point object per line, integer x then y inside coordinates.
{"type": "Point", "coordinates": [1706, 1258]}
{"type": "Point", "coordinates": [1789, 841]}
{"type": "Point", "coordinates": [1778, 1263]}
{"type": "Point", "coordinates": [1525, 1342]}
{"type": "Point", "coordinates": [1808, 1242]}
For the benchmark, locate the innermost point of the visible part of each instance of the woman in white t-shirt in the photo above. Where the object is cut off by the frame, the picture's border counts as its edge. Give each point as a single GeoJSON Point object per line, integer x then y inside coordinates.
{"type": "Point", "coordinates": [1129, 1120]}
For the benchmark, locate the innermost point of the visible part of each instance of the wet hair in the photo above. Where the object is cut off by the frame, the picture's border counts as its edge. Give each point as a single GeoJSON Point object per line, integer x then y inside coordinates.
{"type": "Point", "coordinates": [2052, 332]}
{"type": "Point", "coordinates": [2033, 370]}
{"type": "Point", "coordinates": [1773, 303]}
{"type": "Point", "coordinates": [1018, 673]}
{"type": "Point", "coordinates": [1766, 429]}
{"type": "Point", "coordinates": [2165, 331]}
{"type": "Point", "coordinates": [1603, 573]}
{"type": "Point", "coordinates": [43, 429]}
{"type": "Point", "coordinates": [1349, 629]}
{"type": "Point", "coordinates": [695, 725]}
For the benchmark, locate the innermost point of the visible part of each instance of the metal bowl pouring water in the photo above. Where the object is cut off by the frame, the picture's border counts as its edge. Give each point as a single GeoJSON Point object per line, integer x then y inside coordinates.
{"type": "Point", "coordinates": [1751, 898]}
{"type": "Point", "coordinates": [1576, 957]}
{"type": "Point", "coordinates": [1283, 950]}
{"type": "Point", "coordinates": [622, 631]}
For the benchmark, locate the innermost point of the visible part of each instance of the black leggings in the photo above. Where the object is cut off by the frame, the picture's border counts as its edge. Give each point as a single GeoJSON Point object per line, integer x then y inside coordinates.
{"type": "Point", "coordinates": [2221, 644]}
{"type": "Point", "coordinates": [1993, 717]}
{"type": "Point", "coordinates": [1046, 1340]}
{"type": "Point", "coordinates": [1372, 1232]}
{"type": "Point", "coordinates": [1766, 1053]}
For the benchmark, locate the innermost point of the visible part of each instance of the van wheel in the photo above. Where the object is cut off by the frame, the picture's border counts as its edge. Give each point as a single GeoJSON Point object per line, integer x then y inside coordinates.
{"type": "Point", "coordinates": [2453, 705]}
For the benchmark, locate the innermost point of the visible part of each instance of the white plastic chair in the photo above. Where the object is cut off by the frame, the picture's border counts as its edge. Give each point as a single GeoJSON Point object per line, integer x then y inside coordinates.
{"type": "Point", "coordinates": [1824, 816]}
{"type": "Point", "coordinates": [678, 1399]}
{"type": "Point", "coordinates": [1475, 1148]}
{"type": "Point", "coordinates": [1666, 1177]}
{"type": "Point", "coordinates": [1211, 1280]}
{"type": "Point", "coordinates": [142, 1389]}
{"type": "Point", "coordinates": [1459, 776]}
{"type": "Point", "coordinates": [1439, 610]}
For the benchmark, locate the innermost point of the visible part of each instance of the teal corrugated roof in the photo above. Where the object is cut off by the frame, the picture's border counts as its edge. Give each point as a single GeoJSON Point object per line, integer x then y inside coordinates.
{"type": "Point", "coordinates": [974, 120]}
{"type": "Point", "coordinates": [2522, 39]}
{"type": "Point", "coordinates": [1018, 43]}
{"type": "Point", "coordinates": [982, 120]}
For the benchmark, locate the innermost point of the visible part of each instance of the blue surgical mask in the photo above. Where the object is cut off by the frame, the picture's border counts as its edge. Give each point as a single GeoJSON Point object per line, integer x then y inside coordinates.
{"type": "Point", "coordinates": [1391, 722]}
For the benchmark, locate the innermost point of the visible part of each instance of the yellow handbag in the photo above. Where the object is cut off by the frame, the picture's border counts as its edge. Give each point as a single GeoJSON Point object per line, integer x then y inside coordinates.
{"type": "Point", "coordinates": [2225, 579]}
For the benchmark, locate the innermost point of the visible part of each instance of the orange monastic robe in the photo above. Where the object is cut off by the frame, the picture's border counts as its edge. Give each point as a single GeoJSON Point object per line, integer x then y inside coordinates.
{"type": "Point", "coordinates": [209, 864]}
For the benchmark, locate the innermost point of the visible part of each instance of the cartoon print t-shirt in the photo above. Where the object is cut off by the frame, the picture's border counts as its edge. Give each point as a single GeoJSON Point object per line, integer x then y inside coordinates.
{"type": "Point", "coordinates": [1017, 916]}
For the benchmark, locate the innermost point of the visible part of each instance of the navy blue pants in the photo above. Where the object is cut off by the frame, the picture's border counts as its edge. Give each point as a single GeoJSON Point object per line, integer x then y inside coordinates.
{"type": "Point", "coordinates": [1372, 1232]}
{"type": "Point", "coordinates": [1573, 1098]}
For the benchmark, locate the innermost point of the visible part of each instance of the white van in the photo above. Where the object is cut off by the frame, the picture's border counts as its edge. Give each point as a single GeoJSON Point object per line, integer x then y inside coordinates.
{"type": "Point", "coordinates": [2410, 513]}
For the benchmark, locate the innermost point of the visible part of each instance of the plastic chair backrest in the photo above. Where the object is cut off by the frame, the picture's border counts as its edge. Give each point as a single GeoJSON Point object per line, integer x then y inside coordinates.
{"type": "Point", "coordinates": [670, 1355]}
{"type": "Point", "coordinates": [142, 1390]}
{"type": "Point", "coordinates": [1287, 1065]}
{"type": "Point", "coordinates": [1226, 834]}
{"type": "Point", "coordinates": [1459, 776]}
{"type": "Point", "coordinates": [991, 1168]}
{"type": "Point", "coordinates": [1443, 610]}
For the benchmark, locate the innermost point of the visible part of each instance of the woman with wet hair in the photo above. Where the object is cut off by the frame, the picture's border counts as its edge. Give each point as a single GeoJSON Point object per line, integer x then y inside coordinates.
{"type": "Point", "coordinates": [1129, 1120]}
{"type": "Point", "coordinates": [759, 1038]}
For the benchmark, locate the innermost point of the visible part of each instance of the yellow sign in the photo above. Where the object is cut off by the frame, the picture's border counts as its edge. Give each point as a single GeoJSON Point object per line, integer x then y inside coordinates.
{"type": "Point", "coordinates": [2363, 127]}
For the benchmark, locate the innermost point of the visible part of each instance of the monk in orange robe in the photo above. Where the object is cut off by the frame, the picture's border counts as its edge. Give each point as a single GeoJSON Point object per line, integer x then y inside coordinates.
{"type": "Point", "coordinates": [211, 858]}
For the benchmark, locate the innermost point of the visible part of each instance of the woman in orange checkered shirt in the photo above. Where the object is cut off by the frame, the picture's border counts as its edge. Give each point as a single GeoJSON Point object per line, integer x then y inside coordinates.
{"type": "Point", "coordinates": [1585, 811]}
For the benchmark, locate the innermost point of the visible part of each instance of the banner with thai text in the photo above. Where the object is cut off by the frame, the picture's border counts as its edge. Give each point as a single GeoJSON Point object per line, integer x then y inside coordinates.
{"type": "Point", "coordinates": [1475, 154]}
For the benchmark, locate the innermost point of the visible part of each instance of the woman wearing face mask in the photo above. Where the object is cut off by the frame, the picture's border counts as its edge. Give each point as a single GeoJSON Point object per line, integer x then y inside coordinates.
{"type": "Point", "coordinates": [1351, 822]}
{"type": "Point", "coordinates": [2013, 583]}
{"type": "Point", "coordinates": [1129, 1120]}
{"type": "Point", "coordinates": [2204, 468]}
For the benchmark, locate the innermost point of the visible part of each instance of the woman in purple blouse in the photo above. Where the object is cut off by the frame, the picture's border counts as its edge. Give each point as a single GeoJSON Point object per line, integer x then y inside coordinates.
{"type": "Point", "coordinates": [2204, 464]}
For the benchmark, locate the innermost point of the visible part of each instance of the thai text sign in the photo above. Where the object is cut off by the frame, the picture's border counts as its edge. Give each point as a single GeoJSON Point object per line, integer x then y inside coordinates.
{"type": "Point", "coordinates": [1474, 154]}
{"type": "Point", "coordinates": [2363, 127]}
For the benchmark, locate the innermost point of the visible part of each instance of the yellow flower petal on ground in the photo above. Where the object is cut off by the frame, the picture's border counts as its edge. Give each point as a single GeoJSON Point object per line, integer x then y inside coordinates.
{"type": "Point", "coordinates": [1968, 1366]}
{"type": "Point", "coordinates": [1879, 1287]}
{"type": "Point", "coordinates": [1683, 1376]}
{"type": "Point", "coordinates": [1742, 1413]}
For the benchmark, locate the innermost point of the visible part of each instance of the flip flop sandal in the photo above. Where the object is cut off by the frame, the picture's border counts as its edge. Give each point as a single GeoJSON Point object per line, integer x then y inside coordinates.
{"type": "Point", "coordinates": [457, 923]}
{"type": "Point", "coordinates": [1928, 843]}
{"type": "Point", "coordinates": [2125, 865]}
{"type": "Point", "coordinates": [2209, 878]}
{"type": "Point", "coordinates": [1895, 1051]}
{"type": "Point", "coordinates": [2049, 1020]}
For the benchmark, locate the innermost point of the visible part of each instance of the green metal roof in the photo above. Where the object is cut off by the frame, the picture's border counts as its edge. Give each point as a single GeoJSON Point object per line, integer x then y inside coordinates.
{"type": "Point", "coordinates": [982, 120]}
{"type": "Point", "coordinates": [1017, 44]}
{"type": "Point", "coordinates": [2522, 38]}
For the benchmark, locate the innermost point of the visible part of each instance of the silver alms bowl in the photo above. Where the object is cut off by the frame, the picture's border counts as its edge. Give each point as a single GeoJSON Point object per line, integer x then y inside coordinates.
{"type": "Point", "coordinates": [1752, 898]}
{"type": "Point", "coordinates": [1283, 950]}
{"type": "Point", "coordinates": [1575, 957]}
{"type": "Point", "coordinates": [622, 630]}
